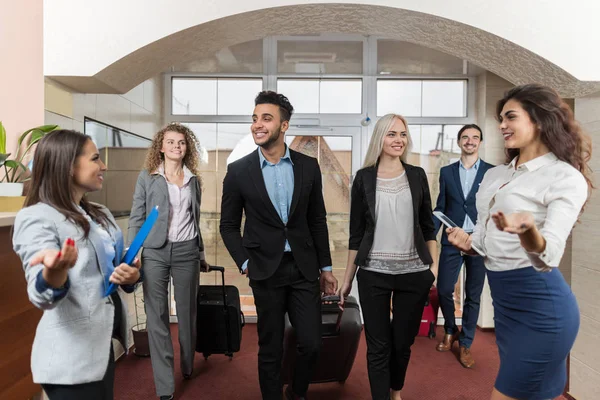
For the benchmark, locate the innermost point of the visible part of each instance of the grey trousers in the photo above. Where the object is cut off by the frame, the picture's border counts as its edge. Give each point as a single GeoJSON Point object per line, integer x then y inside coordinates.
{"type": "Point", "coordinates": [181, 260]}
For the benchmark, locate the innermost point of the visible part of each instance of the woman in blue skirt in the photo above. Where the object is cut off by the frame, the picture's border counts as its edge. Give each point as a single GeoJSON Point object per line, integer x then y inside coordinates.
{"type": "Point", "coordinates": [527, 208]}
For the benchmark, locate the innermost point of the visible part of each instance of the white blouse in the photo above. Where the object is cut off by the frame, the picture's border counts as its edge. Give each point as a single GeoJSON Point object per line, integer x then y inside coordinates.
{"type": "Point", "coordinates": [550, 189]}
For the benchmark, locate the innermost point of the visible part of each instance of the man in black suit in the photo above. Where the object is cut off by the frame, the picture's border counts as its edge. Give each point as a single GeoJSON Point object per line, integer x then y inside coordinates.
{"type": "Point", "coordinates": [285, 246]}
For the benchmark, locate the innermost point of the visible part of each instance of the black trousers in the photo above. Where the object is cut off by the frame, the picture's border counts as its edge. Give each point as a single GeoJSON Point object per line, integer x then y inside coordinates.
{"type": "Point", "coordinates": [99, 390]}
{"type": "Point", "coordinates": [388, 343]}
{"type": "Point", "coordinates": [286, 291]}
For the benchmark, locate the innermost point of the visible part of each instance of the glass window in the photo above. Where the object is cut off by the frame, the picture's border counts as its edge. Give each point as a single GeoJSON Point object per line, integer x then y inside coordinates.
{"type": "Point", "coordinates": [323, 96]}
{"type": "Point", "coordinates": [214, 96]}
{"type": "Point", "coordinates": [236, 96]}
{"type": "Point", "coordinates": [319, 57]}
{"type": "Point", "coordinates": [302, 93]}
{"type": "Point", "coordinates": [194, 96]}
{"type": "Point", "coordinates": [444, 98]}
{"type": "Point", "coordinates": [244, 58]}
{"type": "Point", "coordinates": [399, 97]}
{"type": "Point", "coordinates": [340, 97]}
{"type": "Point", "coordinates": [396, 57]}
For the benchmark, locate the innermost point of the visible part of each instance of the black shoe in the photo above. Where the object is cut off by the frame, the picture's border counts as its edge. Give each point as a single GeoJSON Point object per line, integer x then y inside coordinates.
{"type": "Point", "coordinates": [166, 397]}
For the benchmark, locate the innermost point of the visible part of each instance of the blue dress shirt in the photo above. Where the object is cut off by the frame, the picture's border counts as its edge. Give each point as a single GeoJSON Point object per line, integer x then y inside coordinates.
{"type": "Point", "coordinates": [467, 177]}
{"type": "Point", "coordinates": [279, 180]}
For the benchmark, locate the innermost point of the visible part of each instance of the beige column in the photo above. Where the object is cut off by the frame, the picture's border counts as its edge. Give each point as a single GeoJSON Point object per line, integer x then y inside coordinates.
{"type": "Point", "coordinates": [21, 107]}
{"type": "Point", "coordinates": [21, 69]}
{"type": "Point", "coordinates": [585, 272]}
{"type": "Point", "coordinates": [490, 89]}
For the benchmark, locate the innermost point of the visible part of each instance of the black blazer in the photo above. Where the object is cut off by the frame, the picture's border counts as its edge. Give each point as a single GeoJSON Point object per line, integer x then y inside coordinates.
{"type": "Point", "coordinates": [265, 233]}
{"type": "Point", "coordinates": [451, 200]}
{"type": "Point", "coordinates": [362, 212]}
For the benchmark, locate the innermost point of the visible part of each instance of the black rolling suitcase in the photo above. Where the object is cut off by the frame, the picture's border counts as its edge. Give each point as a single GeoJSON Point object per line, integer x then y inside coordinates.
{"type": "Point", "coordinates": [220, 319]}
{"type": "Point", "coordinates": [340, 334]}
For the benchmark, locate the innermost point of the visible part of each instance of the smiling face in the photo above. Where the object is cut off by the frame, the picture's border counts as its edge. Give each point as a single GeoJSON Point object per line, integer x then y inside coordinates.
{"type": "Point", "coordinates": [267, 128]}
{"type": "Point", "coordinates": [516, 126]}
{"type": "Point", "coordinates": [88, 170]}
{"type": "Point", "coordinates": [469, 141]}
{"type": "Point", "coordinates": [174, 146]}
{"type": "Point", "coordinates": [395, 140]}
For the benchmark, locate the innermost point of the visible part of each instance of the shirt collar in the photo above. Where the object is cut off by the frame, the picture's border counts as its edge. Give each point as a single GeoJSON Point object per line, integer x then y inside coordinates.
{"type": "Point", "coordinates": [476, 165]}
{"type": "Point", "coordinates": [534, 164]}
{"type": "Point", "coordinates": [187, 174]}
{"type": "Point", "coordinates": [264, 161]}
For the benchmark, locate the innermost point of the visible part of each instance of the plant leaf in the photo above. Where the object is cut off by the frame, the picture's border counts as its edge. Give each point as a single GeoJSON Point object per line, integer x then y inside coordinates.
{"type": "Point", "coordinates": [3, 158]}
{"type": "Point", "coordinates": [2, 139]}
{"type": "Point", "coordinates": [44, 129]}
{"type": "Point", "coordinates": [14, 164]}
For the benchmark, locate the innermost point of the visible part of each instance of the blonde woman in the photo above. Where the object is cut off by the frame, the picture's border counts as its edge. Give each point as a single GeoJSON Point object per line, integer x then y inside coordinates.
{"type": "Point", "coordinates": [392, 240]}
{"type": "Point", "coordinates": [173, 248]}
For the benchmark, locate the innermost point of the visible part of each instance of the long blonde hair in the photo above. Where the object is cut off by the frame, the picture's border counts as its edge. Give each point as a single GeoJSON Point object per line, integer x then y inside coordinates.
{"type": "Point", "coordinates": [382, 127]}
{"type": "Point", "coordinates": [154, 157]}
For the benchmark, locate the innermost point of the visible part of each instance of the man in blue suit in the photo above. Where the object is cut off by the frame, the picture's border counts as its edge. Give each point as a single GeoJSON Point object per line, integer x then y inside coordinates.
{"type": "Point", "coordinates": [459, 183]}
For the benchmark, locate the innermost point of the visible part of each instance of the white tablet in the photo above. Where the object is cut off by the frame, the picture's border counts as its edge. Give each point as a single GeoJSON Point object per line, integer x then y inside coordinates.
{"type": "Point", "coordinates": [450, 224]}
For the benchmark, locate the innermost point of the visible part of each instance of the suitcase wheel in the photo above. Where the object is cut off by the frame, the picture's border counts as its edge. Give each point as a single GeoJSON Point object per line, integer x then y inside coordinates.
{"type": "Point", "coordinates": [230, 355]}
{"type": "Point", "coordinates": [206, 355]}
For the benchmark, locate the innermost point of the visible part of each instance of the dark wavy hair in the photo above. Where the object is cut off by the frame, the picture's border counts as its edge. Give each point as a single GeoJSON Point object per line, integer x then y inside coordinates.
{"type": "Point", "coordinates": [269, 97]}
{"type": "Point", "coordinates": [52, 180]}
{"type": "Point", "coordinates": [558, 129]}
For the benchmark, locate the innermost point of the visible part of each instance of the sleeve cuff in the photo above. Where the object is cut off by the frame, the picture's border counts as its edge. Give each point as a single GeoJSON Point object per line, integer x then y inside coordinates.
{"type": "Point", "coordinates": [326, 269]}
{"type": "Point", "coordinates": [41, 286]}
{"type": "Point", "coordinates": [245, 265]}
{"type": "Point", "coordinates": [539, 261]}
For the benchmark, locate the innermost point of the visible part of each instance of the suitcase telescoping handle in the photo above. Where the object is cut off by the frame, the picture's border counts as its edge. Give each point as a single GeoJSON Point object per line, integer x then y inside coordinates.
{"type": "Point", "coordinates": [225, 308]}
{"type": "Point", "coordinates": [222, 270]}
{"type": "Point", "coordinates": [330, 304]}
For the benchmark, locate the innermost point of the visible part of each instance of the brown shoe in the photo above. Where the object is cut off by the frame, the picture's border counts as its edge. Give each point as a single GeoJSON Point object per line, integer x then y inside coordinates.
{"type": "Point", "coordinates": [447, 342]}
{"type": "Point", "coordinates": [465, 357]}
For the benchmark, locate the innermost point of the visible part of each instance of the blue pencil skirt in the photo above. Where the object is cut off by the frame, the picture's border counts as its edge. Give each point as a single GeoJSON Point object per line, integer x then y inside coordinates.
{"type": "Point", "coordinates": [537, 319]}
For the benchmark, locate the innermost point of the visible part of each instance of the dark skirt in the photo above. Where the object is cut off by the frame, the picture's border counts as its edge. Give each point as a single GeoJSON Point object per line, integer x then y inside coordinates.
{"type": "Point", "coordinates": [536, 319]}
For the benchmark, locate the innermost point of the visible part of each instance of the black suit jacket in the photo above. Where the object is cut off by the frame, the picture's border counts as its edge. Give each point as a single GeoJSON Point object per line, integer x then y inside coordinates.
{"type": "Point", "coordinates": [451, 200]}
{"type": "Point", "coordinates": [362, 212]}
{"type": "Point", "coordinates": [265, 233]}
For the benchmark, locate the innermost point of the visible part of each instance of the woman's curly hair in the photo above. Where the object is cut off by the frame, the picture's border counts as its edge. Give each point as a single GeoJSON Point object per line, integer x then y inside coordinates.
{"type": "Point", "coordinates": [191, 159]}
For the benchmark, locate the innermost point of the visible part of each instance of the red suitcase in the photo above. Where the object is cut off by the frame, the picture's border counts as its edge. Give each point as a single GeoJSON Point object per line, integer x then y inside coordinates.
{"type": "Point", "coordinates": [430, 312]}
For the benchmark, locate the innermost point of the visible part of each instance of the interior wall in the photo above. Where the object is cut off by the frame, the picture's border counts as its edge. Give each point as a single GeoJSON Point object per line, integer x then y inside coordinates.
{"type": "Point", "coordinates": [585, 273]}
{"type": "Point", "coordinates": [138, 111]}
{"type": "Point", "coordinates": [21, 68]}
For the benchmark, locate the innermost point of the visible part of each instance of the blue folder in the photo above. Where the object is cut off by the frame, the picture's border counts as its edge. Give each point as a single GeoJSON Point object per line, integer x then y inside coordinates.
{"type": "Point", "coordinates": [137, 244]}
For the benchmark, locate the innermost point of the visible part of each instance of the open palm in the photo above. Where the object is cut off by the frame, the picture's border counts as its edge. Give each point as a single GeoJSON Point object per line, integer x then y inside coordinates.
{"type": "Point", "coordinates": [517, 223]}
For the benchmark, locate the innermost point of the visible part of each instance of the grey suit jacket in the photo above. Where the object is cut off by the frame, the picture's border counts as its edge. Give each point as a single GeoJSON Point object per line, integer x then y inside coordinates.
{"type": "Point", "coordinates": [73, 338]}
{"type": "Point", "coordinates": [151, 190]}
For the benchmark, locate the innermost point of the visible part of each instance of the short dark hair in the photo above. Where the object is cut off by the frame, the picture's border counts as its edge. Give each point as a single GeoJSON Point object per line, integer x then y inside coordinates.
{"type": "Point", "coordinates": [269, 97]}
{"type": "Point", "coordinates": [469, 126]}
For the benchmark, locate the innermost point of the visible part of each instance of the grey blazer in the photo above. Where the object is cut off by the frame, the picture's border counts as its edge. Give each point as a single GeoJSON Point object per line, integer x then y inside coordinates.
{"type": "Point", "coordinates": [151, 190]}
{"type": "Point", "coordinates": [73, 338]}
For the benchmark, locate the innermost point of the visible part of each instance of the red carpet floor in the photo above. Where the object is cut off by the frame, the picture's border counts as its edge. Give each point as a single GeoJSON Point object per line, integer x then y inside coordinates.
{"type": "Point", "coordinates": [431, 375]}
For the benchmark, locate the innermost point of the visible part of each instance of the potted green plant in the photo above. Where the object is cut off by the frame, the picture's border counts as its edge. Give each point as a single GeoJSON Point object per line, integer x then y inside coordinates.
{"type": "Point", "coordinates": [12, 171]}
{"type": "Point", "coordinates": [140, 333]}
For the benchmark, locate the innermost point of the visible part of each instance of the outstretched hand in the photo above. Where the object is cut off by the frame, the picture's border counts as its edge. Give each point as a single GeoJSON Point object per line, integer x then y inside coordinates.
{"type": "Point", "coordinates": [516, 223]}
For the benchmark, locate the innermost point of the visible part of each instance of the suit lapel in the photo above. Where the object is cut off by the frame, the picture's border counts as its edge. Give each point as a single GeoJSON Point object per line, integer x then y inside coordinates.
{"type": "Point", "coordinates": [456, 174]}
{"type": "Point", "coordinates": [478, 178]}
{"type": "Point", "coordinates": [415, 187]}
{"type": "Point", "coordinates": [370, 185]}
{"type": "Point", "coordinates": [259, 182]}
{"type": "Point", "coordinates": [161, 183]}
{"type": "Point", "coordinates": [97, 243]}
{"type": "Point", "coordinates": [298, 168]}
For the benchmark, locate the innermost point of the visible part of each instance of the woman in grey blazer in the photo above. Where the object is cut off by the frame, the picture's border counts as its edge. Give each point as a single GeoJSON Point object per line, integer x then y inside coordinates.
{"type": "Point", "coordinates": [173, 248]}
{"type": "Point", "coordinates": [70, 249]}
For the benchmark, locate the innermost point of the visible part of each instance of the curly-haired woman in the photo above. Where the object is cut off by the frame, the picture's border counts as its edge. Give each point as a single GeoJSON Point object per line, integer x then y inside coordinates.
{"type": "Point", "coordinates": [173, 248]}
